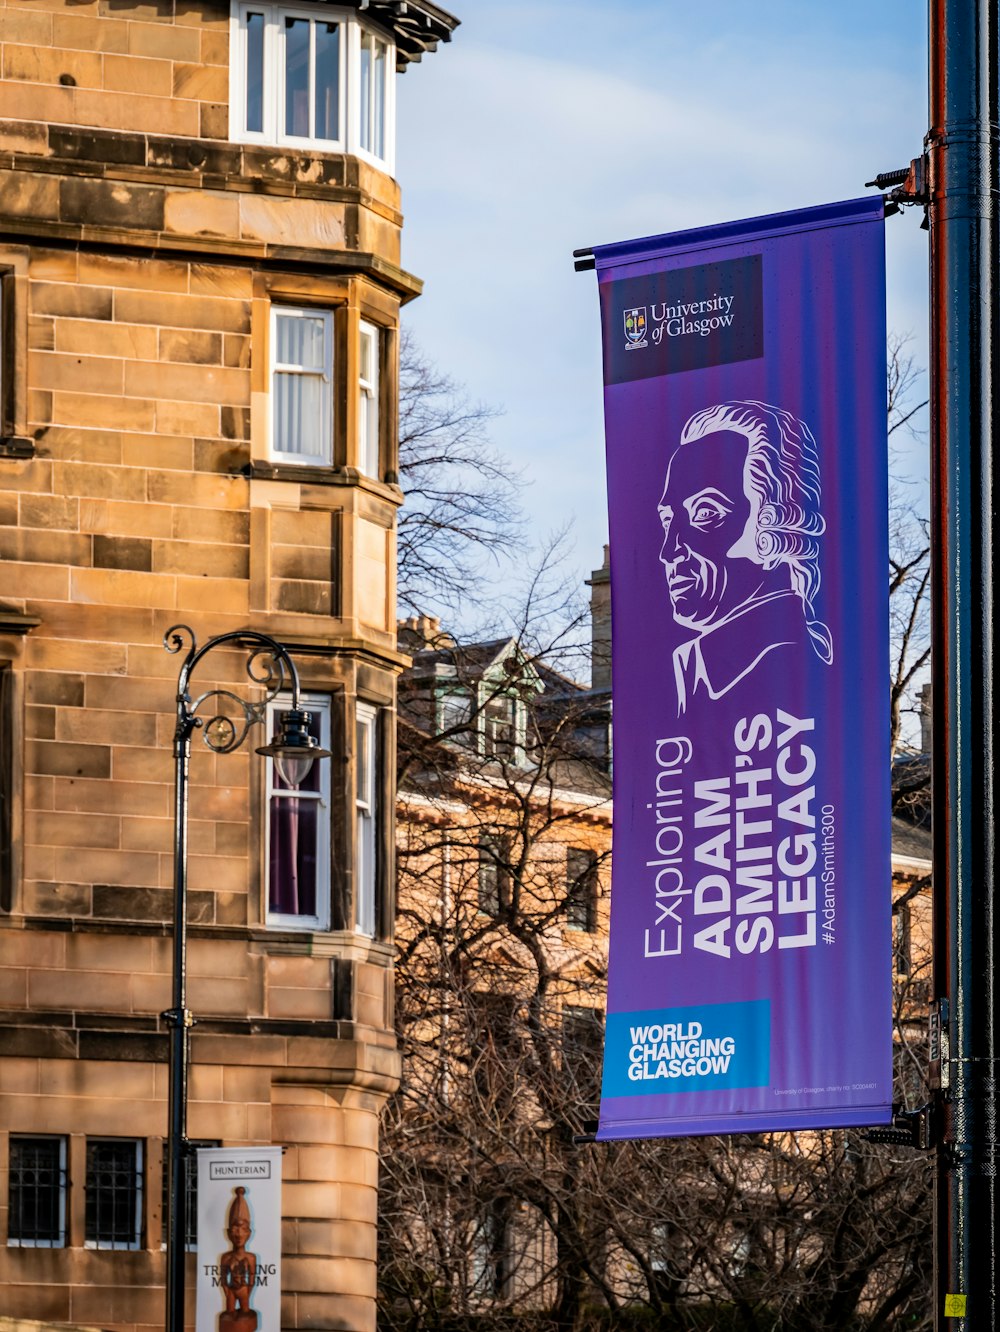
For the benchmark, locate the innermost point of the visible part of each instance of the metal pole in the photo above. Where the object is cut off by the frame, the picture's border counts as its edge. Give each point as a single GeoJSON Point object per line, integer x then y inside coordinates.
{"type": "Point", "coordinates": [963, 151]}
{"type": "Point", "coordinates": [179, 1020]}
{"type": "Point", "coordinates": [278, 671]}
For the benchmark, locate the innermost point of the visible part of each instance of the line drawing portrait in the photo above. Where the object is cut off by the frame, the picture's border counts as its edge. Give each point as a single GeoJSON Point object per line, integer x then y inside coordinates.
{"type": "Point", "coordinates": [741, 542]}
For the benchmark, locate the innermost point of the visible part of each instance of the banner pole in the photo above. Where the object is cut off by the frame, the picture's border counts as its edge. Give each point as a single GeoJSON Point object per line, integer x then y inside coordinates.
{"type": "Point", "coordinates": [964, 166]}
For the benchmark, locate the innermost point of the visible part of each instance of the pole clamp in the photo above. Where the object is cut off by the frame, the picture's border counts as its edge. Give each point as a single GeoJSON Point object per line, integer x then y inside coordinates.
{"type": "Point", "coordinates": [178, 1017]}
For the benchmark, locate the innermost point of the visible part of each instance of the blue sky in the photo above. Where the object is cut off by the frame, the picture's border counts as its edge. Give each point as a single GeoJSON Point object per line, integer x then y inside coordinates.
{"type": "Point", "coordinates": [550, 125]}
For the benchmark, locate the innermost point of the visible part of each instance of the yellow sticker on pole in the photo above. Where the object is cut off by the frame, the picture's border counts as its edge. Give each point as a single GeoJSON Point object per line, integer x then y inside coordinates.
{"type": "Point", "coordinates": [954, 1306]}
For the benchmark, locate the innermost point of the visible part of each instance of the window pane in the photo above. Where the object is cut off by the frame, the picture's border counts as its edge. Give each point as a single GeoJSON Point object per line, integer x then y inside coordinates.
{"type": "Point", "coordinates": [6, 785]}
{"type": "Point", "coordinates": [368, 435]}
{"type": "Point", "coordinates": [114, 1192]}
{"type": "Point", "coordinates": [327, 81]}
{"type": "Point", "coordinates": [378, 102]}
{"type": "Point", "coordinates": [364, 793]}
{"type": "Point", "coordinates": [301, 341]}
{"type": "Point", "coordinates": [299, 831]}
{"type": "Point", "coordinates": [491, 857]}
{"type": "Point", "coordinates": [365, 128]}
{"type": "Point", "coordinates": [368, 459]}
{"type": "Point", "coordinates": [455, 711]}
{"type": "Point", "coordinates": [297, 77]}
{"type": "Point", "coordinates": [362, 766]}
{"type": "Point", "coordinates": [293, 864]}
{"type": "Point", "coordinates": [500, 727]}
{"type": "Point", "coordinates": [581, 889]}
{"type": "Point", "coordinates": [298, 415]}
{"type": "Point", "coordinates": [255, 72]}
{"type": "Point", "coordinates": [37, 1185]}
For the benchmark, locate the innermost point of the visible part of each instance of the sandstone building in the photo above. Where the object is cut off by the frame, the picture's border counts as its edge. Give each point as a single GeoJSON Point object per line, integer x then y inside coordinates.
{"type": "Point", "coordinates": [199, 297]}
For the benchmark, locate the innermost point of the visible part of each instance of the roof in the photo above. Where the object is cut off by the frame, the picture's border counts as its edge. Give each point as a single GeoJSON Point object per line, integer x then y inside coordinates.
{"type": "Point", "coordinates": [416, 25]}
{"type": "Point", "coordinates": [910, 841]}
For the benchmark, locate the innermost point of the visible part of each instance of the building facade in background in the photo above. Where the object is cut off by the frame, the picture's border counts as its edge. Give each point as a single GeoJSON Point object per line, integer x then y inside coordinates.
{"type": "Point", "coordinates": [199, 298]}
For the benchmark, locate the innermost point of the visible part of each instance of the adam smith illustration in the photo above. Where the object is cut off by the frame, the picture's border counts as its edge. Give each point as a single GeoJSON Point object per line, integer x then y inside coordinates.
{"type": "Point", "coordinates": [741, 527]}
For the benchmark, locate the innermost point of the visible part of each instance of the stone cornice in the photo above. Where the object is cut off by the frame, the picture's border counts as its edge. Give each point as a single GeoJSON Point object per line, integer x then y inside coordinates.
{"type": "Point", "coordinates": [360, 263]}
{"type": "Point", "coordinates": [16, 622]}
{"type": "Point", "coordinates": [234, 202]}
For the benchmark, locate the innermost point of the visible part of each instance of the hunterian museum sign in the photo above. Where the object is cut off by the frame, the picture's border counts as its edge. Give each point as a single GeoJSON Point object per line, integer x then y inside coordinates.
{"type": "Point", "coordinates": [239, 1239]}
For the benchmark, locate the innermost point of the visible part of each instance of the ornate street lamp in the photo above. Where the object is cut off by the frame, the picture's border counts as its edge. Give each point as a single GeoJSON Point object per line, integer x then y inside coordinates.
{"type": "Point", "coordinates": [294, 751]}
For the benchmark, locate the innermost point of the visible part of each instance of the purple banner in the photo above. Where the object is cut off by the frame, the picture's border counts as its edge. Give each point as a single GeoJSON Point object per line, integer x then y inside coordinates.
{"type": "Point", "coordinates": [745, 406]}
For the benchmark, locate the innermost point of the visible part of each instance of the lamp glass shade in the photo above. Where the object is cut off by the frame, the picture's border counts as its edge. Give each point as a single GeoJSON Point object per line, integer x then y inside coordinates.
{"type": "Point", "coordinates": [294, 768]}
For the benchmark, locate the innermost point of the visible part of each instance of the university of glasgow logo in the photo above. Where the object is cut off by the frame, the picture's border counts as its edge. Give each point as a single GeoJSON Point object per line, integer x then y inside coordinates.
{"type": "Point", "coordinates": [635, 327]}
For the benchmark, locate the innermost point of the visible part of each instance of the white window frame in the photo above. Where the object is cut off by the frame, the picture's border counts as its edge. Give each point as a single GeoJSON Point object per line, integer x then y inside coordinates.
{"type": "Point", "coordinates": [352, 34]}
{"type": "Point", "coordinates": [320, 705]}
{"type": "Point", "coordinates": [322, 457]}
{"type": "Point", "coordinates": [273, 131]}
{"type": "Point", "coordinates": [367, 36]}
{"type": "Point", "coordinates": [62, 1186]}
{"type": "Point", "coordinates": [365, 818]}
{"type": "Point", "coordinates": [387, 160]}
{"type": "Point", "coordinates": [369, 451]}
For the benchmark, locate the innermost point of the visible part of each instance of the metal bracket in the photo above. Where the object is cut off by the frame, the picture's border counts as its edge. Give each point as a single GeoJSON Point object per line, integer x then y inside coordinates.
{"type": "Point", "coordinates": [178, 1017]}
{"type": "Point", "coordinates": [906, 187]}
{"type": "Point", "coordinates": [938, 1047]}
{"type": "Point", "coordinates": [909, 1128]}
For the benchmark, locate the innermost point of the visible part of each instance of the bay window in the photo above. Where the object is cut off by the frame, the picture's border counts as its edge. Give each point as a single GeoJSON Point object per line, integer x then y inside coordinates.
{"type": "Point", "coordinates": [311, 74]}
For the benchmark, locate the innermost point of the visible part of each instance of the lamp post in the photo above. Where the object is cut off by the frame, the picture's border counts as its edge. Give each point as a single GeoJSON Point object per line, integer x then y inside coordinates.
{"type": "Point", "coordinates": [293, 750]}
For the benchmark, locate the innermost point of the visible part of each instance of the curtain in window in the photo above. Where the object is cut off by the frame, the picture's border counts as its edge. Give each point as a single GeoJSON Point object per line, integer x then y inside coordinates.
{"type": "Point", "coordinates": [300, 384]}
{"type": "Point", "coordinates": [293, 869]}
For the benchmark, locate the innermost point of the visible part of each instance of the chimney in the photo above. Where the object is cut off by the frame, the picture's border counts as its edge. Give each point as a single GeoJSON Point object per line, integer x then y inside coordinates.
{"type": "Point", "coordinates": [418, 632]}
{"type": "Point", "coordinates": [599, 583]}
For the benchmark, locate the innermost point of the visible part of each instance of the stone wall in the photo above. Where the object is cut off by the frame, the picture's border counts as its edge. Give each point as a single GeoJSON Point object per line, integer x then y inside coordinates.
{"type": "Point", "coordinates": [140, 255]}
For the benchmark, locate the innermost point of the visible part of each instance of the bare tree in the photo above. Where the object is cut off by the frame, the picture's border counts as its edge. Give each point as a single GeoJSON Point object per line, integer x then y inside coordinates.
{"type": "Point", "coordinates": [492, 1216]}
{"type": "Point", "coordinates": [909, 595]}
{"type": "Point", "coordinates": [462, 512]}
{"type": "Point", "coordinates": [909, 553]}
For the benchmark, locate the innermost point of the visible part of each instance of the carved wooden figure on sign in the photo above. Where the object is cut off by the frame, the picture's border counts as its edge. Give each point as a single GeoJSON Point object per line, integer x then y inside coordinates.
{"type": "Point", "coordinates": [238, 1270]}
